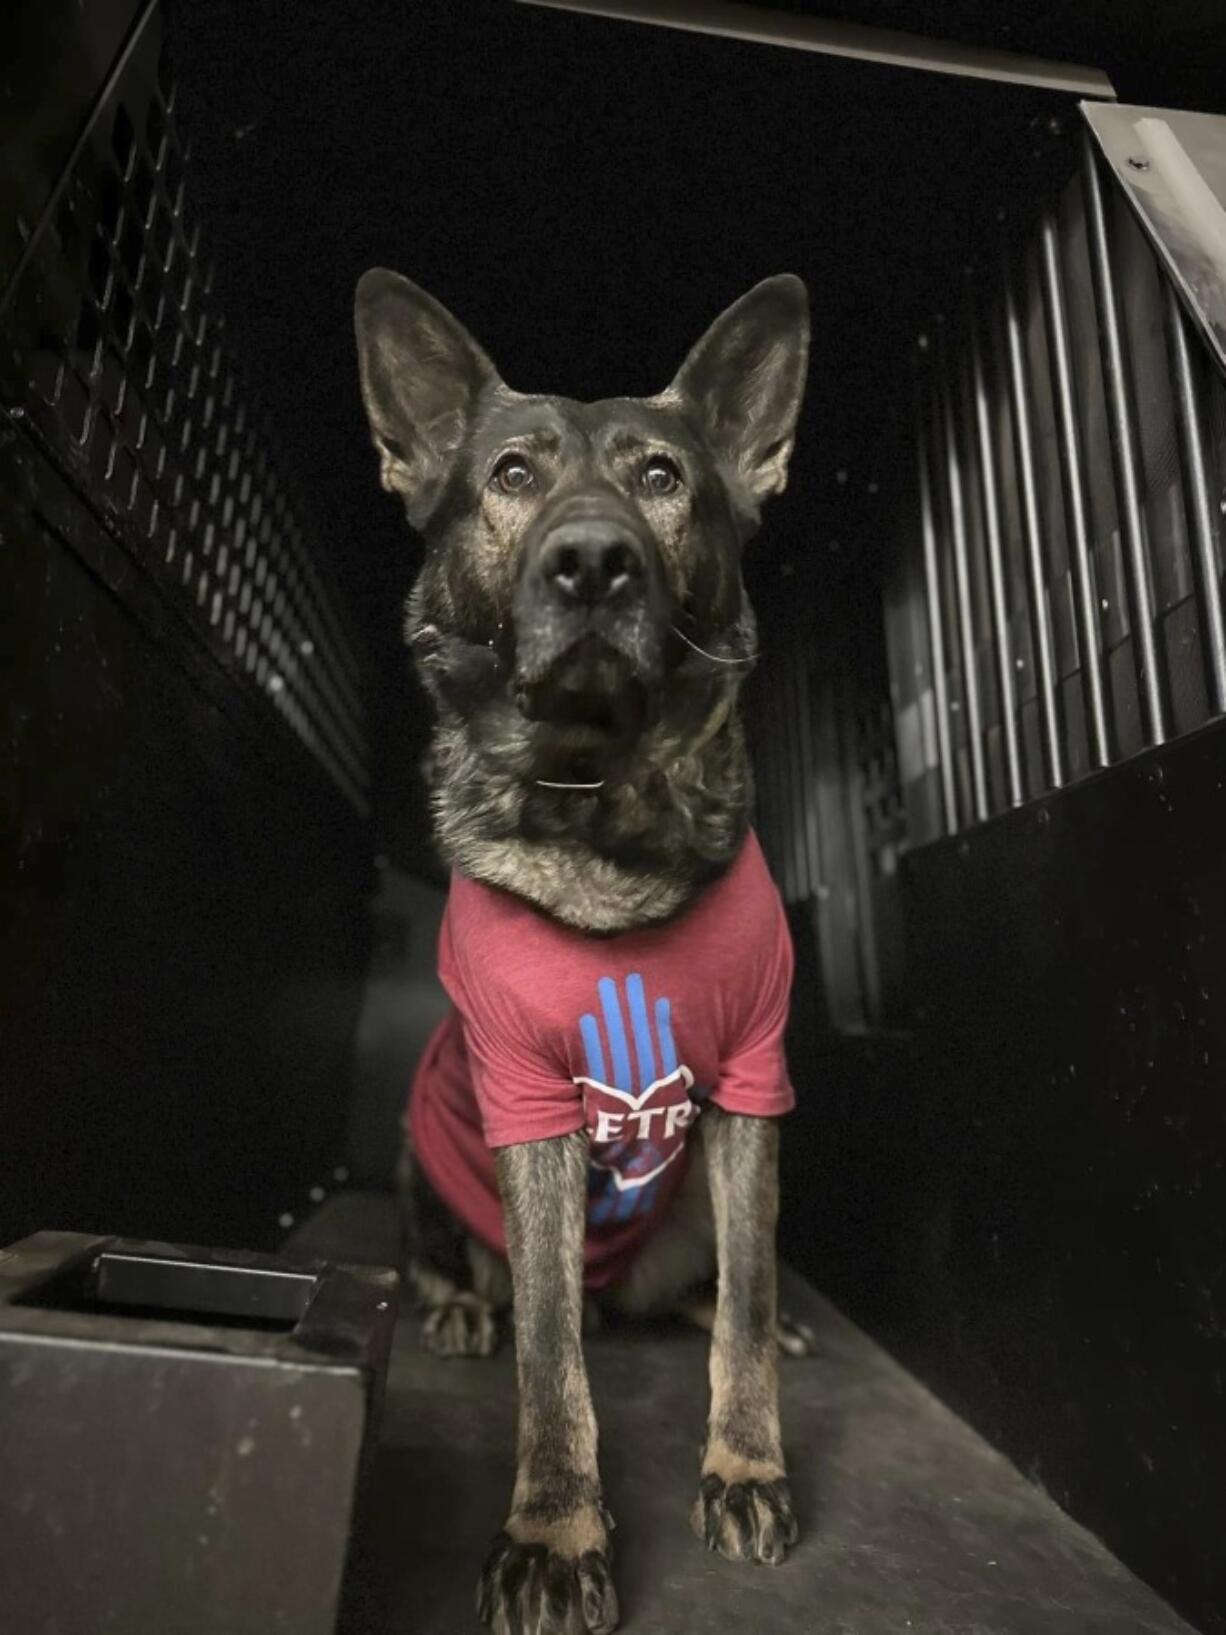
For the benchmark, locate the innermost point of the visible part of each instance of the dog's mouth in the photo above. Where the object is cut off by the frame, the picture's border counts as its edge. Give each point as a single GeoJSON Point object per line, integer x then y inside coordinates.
{"type": "Point", "coordinates": [590, 697]}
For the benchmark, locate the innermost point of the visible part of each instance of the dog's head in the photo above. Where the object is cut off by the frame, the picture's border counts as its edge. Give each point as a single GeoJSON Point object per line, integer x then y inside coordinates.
{"type": "Point", "coordinates": [583, 559]}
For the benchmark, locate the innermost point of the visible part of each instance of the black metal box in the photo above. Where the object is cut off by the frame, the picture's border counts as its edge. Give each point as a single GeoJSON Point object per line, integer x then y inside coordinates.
{"type": "Point", "coordinates": [182, 1434]}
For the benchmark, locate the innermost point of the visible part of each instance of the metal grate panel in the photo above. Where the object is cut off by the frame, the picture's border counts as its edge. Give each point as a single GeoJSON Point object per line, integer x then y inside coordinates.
{"type": "Point", "coordinates": [116, 359]}
{"type": "Point", "coordinates": [1084, 450]}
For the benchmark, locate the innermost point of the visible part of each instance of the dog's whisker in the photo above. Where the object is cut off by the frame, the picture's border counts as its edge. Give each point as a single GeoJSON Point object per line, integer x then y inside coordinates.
{"type": "Point", "coordinates": [714, 657]}
{"type": "Point", "coordinates": [545, 783]}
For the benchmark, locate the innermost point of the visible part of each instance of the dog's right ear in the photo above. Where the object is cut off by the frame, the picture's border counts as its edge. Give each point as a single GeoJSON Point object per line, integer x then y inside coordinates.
{"type": "Point", "coordinates": [421, 375]}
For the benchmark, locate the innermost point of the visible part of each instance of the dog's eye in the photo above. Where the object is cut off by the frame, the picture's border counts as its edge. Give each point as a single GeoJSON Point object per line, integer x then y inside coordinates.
{"type": "Point", "coordinates": [661, 476]}
{"type": "Point", "coordinates": [513, 474]}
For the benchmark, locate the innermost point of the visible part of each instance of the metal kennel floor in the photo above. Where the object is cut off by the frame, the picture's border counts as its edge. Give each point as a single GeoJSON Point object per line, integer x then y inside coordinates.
{"type": "Point", "coordinates": [911, 1523]}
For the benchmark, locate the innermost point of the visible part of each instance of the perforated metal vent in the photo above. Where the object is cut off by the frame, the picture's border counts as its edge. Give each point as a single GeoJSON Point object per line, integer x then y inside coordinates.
{"type": "Point", "coordinates": [117, 360]}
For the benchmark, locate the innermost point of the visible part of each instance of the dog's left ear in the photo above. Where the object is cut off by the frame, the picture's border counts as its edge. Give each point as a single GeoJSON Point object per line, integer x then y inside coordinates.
{"type": "Point", "coordinates": [746, 378]}
{"type": "Point", "coordinates": [421, 375]}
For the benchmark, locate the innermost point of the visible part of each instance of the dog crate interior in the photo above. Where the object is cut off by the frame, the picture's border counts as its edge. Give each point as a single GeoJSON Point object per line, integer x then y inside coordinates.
{"type": "Point", "coordinates": [986, 725]}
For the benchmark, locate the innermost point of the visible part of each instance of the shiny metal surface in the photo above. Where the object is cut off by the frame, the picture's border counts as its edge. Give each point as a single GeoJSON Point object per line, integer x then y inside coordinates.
{"type": "Point", "coordinates": [936, 634]}
{"type": "Point", "coordinates": [841, 39]}
{"type": "Point", "coordinates": [1193, 438]}
{"type": "Point", "coordinates": [1073, 482]}
{"type": "Point", "coordinates": [1033, 535]}
{"type": "Point", "coordinates": [1172, 168]}
{"type": "Point", "coordinates": [990, 497]}
{"type": "Point", "coordinates": [1125, 452]}
{"type": "Point", "coordinates": [962, 594]}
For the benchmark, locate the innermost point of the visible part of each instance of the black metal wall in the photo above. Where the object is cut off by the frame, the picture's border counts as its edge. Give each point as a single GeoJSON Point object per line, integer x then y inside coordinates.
{"type": "Point", "coordinates": [185, 787]}
{"type": "Point", "coordinates": [1016, 1178]}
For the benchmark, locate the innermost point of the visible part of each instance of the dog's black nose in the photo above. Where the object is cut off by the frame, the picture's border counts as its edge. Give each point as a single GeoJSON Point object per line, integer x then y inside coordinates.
{"type": "Point", "coordinates": [590, 562]}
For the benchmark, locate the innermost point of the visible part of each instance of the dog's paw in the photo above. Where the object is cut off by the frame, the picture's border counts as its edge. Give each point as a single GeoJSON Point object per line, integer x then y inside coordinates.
{"type": "Point", "coordinates": [795, 1339]}
{"type": "Point", "coordinates": [529, 1589]}
{"type": "Point", "coordinates": [746, 1521]}
{"type": "Point", "coordinates": [463, 1326]}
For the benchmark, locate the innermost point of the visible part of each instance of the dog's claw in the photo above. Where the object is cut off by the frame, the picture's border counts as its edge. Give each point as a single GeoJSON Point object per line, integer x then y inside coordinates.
{"type": "Point", "coordinates": [527, 1589]}
{"type": "Point", "coordinates": [795, 1339]}
{"type": "Point", "coordinates": [746, 1521]}
{"type": "Point", "coordinates": [463, 1327]}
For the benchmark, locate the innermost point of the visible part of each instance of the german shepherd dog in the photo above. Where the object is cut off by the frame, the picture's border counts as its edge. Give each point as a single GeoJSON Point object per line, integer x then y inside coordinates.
{"type": "Point", "coordinates": [581, 625]}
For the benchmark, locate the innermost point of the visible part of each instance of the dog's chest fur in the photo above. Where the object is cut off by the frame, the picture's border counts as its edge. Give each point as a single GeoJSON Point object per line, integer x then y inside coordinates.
{"type": "Point", "coordinates": [631, 853]}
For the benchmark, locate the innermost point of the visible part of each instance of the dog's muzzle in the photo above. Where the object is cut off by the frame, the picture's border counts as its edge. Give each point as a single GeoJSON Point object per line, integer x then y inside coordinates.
{"type": "Point", "coordinates": [591, 617]}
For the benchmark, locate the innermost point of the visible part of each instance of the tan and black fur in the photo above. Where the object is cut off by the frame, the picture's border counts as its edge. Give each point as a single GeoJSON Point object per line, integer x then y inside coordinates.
{"type": "Point", "coordinates": [581, 624]}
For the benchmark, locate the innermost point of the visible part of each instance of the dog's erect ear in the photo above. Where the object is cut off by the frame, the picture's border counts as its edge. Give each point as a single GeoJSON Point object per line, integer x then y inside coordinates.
{"type": "Point", "coordinates": [746, 378]}
{"type": "Point", "coordinates": [421, 375]}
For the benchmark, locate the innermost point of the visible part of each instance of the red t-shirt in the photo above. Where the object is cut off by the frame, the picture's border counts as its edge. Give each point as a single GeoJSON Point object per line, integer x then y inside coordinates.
{"type": "Point", "coordinates": [627, 1036]}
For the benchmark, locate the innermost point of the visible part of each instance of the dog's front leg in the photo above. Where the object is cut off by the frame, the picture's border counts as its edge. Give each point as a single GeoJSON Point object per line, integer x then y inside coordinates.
{"type": "Point", "coordinates": [744, 1507]}
{"type": "Point", "coordinates": [548, 1572]}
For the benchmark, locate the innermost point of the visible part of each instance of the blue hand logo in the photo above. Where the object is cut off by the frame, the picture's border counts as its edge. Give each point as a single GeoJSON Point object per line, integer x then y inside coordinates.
{"type": "Point", "coordinates": [619, 1050]}
{"type": "Point", "coordinates": [625, 1180]}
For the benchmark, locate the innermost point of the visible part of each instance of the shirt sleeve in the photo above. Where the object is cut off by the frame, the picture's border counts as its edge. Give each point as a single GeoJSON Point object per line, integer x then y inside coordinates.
{"type": "Point", "coordinates": [754, 1077]}
{"type": "Point", "coordinates": [521, 1093]}
{"type": "Point", "coordinates": [522, 1086]}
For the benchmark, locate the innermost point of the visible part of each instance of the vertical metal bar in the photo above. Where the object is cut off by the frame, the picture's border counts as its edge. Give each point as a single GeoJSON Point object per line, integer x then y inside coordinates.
{"type": "Point", "coordinates": [1190, 415]}
{"type": "Point", "coordinates": [799, 791]}
{"type": "Point", "coordinates": [762, 792]}
{"type": "Point", "coordinates": [828, 913]}
{"type": "Point", "coordinates": [862, 926]}
{"type": "Point", "coordinates": [783, 792]}
{"type": "Point", "coordinates": [1002, 644]}
{"type": "Point", "coordinates": [962, 588]}
{"type": "Point", "coordinates": [936, 634]}
{"type": "Point", "coordinates": [803, 752]}
{"type": "Point", "coordinates": [770, 792]}
{"type": "Point", "coordinates": [1072, 476]}
{"type": "Point", "coordinates": [808, 773]}
{"type": "Point", "coordinates": [1124, 453]}
{"type": "Point", "coordinates": [1032, 532]}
